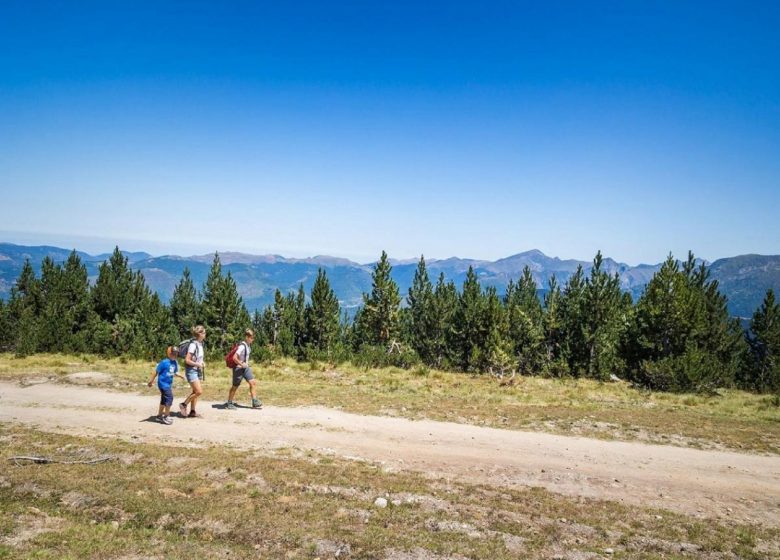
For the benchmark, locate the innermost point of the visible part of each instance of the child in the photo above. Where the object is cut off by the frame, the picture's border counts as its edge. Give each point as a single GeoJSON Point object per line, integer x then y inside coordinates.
{"type": "Point", "coordinates": [165, 371]}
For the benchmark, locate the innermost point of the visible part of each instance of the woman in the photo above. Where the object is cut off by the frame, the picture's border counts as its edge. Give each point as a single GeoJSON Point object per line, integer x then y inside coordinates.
{"type": "Point", "coordinates": [194, 365]}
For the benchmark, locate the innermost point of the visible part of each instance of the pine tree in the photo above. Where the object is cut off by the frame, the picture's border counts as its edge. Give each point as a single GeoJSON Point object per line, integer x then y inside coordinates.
{"type": "Point", "coordinates": [526, 330]}
{"type": "Point", "coordinates": [24, 312]}
{"type": "Point", "coordinates": [112, 294]}
{"type": "Point", "coordinates": [572, 305]}
{"type": "Point", "coordinates": [552, 322]}
{"type": "Point", "coordinates": [5, 327]}
{"type": "Point", "coordinates": [469, 325]}
{"type": "Point", "coordinates": [681, 336]}
{"type": "Point", "coordinates": [497, 354]}
{"type": "Point", "coordinates": [761, 369]}
{"type": "Point", "coordinates": [443, 338]}
{"type": "Point", "coordinates": [298, 307]}
{"type": "Point", "coordinates": [53, 328]}
{"type": "Point", "coordinates": [604, 323]}
{"type": "Point", "coordinates": [421, 315]}
{"type": "Point", "coordinates": [185, 306]}
{"type": "Point", "coordinates": [379, 318]}
{"type": "Point", "coordinates": [322, 315]}
{"type": "Point", "coordinates": [75, 287]}
{"type": "Point", "coordinates": [224, 314]}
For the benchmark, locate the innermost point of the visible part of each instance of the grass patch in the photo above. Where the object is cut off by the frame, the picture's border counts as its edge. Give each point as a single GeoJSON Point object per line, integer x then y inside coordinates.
{"type": "Point", "coordinates": [733, 419]}
{"type": "Point", "coordinates": [214, 502]}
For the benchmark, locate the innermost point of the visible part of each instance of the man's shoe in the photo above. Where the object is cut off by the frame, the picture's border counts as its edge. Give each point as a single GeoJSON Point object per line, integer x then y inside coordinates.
{"type": "Point", "coordinates": [230, 405]}
{"type": "Point", "coordinates": [256, 403]}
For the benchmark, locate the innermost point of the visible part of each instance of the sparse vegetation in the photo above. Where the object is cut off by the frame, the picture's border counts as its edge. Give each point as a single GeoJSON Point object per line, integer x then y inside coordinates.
{"type": "Point", "coordinates": [163, 501]}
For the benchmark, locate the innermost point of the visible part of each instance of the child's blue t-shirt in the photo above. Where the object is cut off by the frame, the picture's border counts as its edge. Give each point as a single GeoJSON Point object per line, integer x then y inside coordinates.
{"type": "Point", "coordinates": [165, 371]}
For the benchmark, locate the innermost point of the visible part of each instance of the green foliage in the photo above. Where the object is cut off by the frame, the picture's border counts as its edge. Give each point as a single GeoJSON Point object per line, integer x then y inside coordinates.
{"type": "Point", "coordinates": [760, 369]}
{"type": "Point", "coordinates": [379, 320]}
{"type": "Point", "coordinates": [420, 330]}
{"type": "Point", "coordinates": [185, 306]}
{"type": "Point", "coordinates": [322, 316]}
{"type": "Point", "coordinates": [526, 326]}
{"type": "Point", "coordinates": [678, 337]}
{"type": "Point", "coordinates": [222, 309]}
{"type": "Point", "coordinates": [682, 338]}
{"type": "Point", "coordinates": [469, 332]}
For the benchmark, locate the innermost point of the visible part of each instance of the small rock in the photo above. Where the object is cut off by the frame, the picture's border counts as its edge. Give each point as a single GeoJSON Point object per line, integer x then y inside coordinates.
{"type": "Point", "coordinates": [659, 517]}
{"type": "Point", "coordinates": [609, 551]}
{"type": "Point", "coordinates": [115, 525]}
{"type": "Point", "coordinates": [396, 502]}
{"type": "Point", "coordinates": [380, 502]}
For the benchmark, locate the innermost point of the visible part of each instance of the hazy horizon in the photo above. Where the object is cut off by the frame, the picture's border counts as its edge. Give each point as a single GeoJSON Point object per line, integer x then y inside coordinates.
{"type": "Point", "coordinates": [96, 246]}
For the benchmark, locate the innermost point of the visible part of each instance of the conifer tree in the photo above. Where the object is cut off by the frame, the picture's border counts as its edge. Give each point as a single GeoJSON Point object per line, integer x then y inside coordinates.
{"type": "Point", "coordinates": [572, 305]}
{"type": "Point", "coordinates": [761, 369]}
{"type": "Point", "coordinates": [112, 295]}
{"type": "Point", "coordinates": [185, 305]}
{"type": "Point", "coordinates": [75, 288]}
{"type": "Point", "coordinates": [681, 335]}
{"type": "Point", "coordinates": [497, 354]}
{"type": "Point", "coordinates": [379, 318]}
{"type": "Point", "coordinates": [24, 312]}
{"type": "Point", "coordinates": [552, 322]}
{"type": "Point", "coordinates": [5, 327]}
{"type": "Point", "coordinates": [443, 338]}
{"type": "Point", "coordinates": [604, 323]}
{"type": "Point", "coordinates": [421, 313]}
{"type": "Point", "coordinates": [322, 315]}
{"type": "Point", "coordinates": [224, 314]}
{"type": "Point", "coordinates": [526, 330]}
{"type": "Point", "coordinates": [53, 329]}
{"type": "Point", "coordinates": [469, 324]}
{"type": "Point", "coordinates": [298, 307]}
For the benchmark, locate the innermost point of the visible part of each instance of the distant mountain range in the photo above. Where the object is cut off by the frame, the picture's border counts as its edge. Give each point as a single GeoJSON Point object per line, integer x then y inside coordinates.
{"type": "Point", "coordinates": [744, 279]}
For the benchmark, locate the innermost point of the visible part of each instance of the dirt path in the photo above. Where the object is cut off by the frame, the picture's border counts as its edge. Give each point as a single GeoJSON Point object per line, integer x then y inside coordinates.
{"type": "Point", "coordinates": [705, 483]}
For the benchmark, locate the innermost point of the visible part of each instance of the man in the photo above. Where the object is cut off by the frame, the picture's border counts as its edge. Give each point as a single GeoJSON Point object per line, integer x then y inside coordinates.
{"type": "Point", "coordinates": [243, 371]}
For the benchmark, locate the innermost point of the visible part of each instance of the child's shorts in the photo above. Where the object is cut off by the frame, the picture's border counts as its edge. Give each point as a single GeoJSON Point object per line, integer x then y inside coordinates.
{"type": "Point", "coordinates": [166, 397]}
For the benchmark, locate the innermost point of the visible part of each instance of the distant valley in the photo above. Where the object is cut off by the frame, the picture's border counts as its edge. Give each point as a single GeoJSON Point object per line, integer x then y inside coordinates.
{"type": "Point", "coordinates": [744, 279]}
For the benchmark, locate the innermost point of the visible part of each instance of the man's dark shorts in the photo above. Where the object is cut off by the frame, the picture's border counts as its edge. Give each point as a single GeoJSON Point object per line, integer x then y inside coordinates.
{"type": "Point", "coordinates": [242, 373]}
{"type": "Point", "coordinates": [166, 397]}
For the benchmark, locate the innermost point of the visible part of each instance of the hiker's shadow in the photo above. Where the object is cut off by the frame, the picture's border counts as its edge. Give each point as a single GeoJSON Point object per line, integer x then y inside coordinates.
{"type": "Point", "coordinates": [219, 406]}
{"type": "Point", "coordinates": [153, 419]}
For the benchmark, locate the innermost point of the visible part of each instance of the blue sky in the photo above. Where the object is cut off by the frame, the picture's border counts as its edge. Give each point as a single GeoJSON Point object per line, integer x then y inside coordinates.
{"type": "Point", "coordinates": [445, 128]}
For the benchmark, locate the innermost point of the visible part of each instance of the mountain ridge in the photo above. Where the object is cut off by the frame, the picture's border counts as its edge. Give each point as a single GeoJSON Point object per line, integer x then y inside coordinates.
{"type": "Point", "coordinates": [743, 278]}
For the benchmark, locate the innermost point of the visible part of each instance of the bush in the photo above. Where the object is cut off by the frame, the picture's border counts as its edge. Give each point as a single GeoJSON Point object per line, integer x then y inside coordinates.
{"type": "Point", "coordinates": [370, 356]}
{"type": "Point", "coordinates": [694, 370]}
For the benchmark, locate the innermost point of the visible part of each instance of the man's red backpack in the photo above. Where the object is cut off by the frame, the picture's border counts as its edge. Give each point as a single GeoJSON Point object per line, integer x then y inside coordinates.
{"type": "Point", "coordinates": [230, 357]}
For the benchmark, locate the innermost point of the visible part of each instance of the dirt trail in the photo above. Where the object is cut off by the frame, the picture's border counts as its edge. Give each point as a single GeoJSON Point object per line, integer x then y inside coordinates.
{"type": "Point", "coordinates": [706, 483]}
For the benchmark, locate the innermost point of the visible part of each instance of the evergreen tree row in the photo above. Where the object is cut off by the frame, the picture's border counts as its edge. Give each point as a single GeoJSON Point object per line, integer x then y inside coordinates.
{"type": "Point", "coordinates": [678, 336]}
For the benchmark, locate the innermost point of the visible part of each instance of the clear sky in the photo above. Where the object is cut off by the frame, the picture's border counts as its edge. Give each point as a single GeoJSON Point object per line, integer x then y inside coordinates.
{"type": "Point", "coordinates": [475, 129]}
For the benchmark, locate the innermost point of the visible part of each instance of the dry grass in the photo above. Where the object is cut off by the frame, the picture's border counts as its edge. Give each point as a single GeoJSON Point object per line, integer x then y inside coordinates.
{"type": "Point", "coordinates": [733, 419]}
{"type": "Point", "coordinates": [157, 502]}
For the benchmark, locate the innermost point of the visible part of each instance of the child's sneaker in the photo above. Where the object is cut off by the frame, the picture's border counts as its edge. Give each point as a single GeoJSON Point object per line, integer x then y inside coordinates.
{"type": "Point", "coordinates": [167, 420]}
{"type": "Point", "coordinates": [161, 419]}
{"type": "Point", "coordinates": [183, 410]}
{"type": "Point", "coordinates": [256, 403]}
{"type": "Point", "coordinates": [230, 405]}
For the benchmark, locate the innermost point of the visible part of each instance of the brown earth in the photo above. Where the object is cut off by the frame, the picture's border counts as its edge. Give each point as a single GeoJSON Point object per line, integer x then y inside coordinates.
{"type": "Point", "coordinates": [704, 483]}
